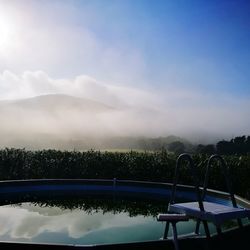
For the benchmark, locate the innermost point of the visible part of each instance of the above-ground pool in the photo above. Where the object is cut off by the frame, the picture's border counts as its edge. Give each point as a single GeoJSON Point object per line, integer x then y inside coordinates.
{"type": "Point", "coordinates": [90, 213]}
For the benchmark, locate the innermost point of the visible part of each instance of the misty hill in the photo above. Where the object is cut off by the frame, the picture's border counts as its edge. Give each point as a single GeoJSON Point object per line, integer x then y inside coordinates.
{"type": "Point", "coordinates": [67, 122]}
{"type": "Point", "coordinates": [44, 119]}
{"type": "Point", "coordinates": [53, 141]}
{"type": "Point", "coordinates": [127, 143]}
{"type": "Point", "coordinates": [54, 102]}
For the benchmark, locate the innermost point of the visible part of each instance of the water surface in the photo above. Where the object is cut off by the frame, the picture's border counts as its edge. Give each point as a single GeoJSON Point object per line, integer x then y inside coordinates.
{"type": "Point", "coordinates": [80, 222]}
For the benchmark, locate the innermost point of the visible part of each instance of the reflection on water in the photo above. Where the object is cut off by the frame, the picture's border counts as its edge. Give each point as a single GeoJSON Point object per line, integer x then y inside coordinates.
{"type": "Point", "coordinates": [87, 221]}
{"type": "Point", "coordinates": [78, 221]}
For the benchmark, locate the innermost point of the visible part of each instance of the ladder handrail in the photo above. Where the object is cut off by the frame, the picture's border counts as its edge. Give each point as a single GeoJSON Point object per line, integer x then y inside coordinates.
{"type": "Point", "coordinates": [224, 172]}
{"type": "Point", "coordinates": [188, 158]}
{"type": "Point", "coordinates": [224, 169]}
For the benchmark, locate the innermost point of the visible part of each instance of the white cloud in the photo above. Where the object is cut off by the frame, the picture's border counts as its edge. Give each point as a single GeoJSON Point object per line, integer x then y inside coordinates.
{"type": "Point", "coordinates": [31, 84]}
{"type": "Point", "coordinates": [66, 47]}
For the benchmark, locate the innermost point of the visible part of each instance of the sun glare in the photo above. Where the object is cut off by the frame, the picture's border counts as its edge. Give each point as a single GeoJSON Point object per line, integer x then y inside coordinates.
{"type": "Point", "coordinates": [6, 33]}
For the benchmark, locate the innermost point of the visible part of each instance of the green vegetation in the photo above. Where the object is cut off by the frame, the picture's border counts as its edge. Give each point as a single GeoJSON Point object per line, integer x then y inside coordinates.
{"type": "Point", "coordinates": [239, 145]}
{"type": "Point", "coordinates": [92, 205]}
{"type": "Point", "coordinates": [152, 166]}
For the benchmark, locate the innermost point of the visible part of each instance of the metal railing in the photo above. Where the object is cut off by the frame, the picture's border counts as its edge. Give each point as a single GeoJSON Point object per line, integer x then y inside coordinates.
{"type": "Point", "coordinates": [225, 172]}
{"type": "Point", "coordinates": [180, 159]}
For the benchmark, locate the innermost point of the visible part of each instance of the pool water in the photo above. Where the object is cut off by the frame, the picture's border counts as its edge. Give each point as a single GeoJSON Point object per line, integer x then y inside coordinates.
{"type": "Point", "coordinates": [79, 222]}
{"type": "Point", "coordinates": [86, 221]}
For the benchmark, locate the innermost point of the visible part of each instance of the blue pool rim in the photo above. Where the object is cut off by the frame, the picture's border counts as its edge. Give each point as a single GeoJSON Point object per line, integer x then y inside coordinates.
{"type": "Point", "coordinates": [152, 190]}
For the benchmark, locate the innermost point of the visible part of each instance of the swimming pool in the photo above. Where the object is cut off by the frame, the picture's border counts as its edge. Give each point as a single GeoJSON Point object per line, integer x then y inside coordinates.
{"type": "Point", "coordinates": [90, 212]}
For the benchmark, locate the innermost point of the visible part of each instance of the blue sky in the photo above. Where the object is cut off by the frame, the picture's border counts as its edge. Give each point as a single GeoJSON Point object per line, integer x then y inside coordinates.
{"type": "Point", "coordinates": [206, 42]}
{"type": "Point", "coordinates": [190, 57]}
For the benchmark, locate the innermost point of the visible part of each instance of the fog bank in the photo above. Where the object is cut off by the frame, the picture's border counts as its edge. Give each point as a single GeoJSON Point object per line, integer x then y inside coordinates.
{"type": "Point", "coordinates": [37, 109]}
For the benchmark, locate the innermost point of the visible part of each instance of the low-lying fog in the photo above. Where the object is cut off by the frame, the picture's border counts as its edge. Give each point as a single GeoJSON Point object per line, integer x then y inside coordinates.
{"type": "Point", "coordinates": [40, 112]}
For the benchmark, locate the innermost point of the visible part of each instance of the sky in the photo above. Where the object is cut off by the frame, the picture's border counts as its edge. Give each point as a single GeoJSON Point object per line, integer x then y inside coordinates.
{"type": "Point", "coordinates": [189, 60]}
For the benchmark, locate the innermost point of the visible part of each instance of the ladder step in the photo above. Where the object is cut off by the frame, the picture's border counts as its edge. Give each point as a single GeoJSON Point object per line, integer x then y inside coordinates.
{"type": "Point", "coordinates": [172, 217]}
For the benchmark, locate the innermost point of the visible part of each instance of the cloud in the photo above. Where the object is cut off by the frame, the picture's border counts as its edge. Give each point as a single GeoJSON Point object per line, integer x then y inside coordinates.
{"type": "Point", "coordinates": [30, 84]}
{"type": "Point", "coordinates": [67, 47]}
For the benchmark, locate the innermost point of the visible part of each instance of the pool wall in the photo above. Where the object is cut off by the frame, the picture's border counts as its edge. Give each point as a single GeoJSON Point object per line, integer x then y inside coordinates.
{"type": "Point", "coordinates": [117, 187]}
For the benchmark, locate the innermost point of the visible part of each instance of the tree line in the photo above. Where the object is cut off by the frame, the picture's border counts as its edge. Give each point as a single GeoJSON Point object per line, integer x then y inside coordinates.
{"type": "Point", "coordinates": [239, 145]}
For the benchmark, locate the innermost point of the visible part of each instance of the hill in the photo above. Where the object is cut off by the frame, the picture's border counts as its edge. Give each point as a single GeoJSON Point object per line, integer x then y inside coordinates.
{"type": "Point", "coordinates": [52, 103]}
{"type": "Point", "coordinates": [67, 122]}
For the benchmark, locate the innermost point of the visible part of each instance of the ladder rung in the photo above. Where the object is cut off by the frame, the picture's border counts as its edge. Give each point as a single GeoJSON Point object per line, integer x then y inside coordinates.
{"type": "Point", "coordinates": [172, 217]}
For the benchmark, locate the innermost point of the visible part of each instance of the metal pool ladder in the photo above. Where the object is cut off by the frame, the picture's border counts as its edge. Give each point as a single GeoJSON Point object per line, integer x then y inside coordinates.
{"type": "Point", "coordinates": [201, 210]}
